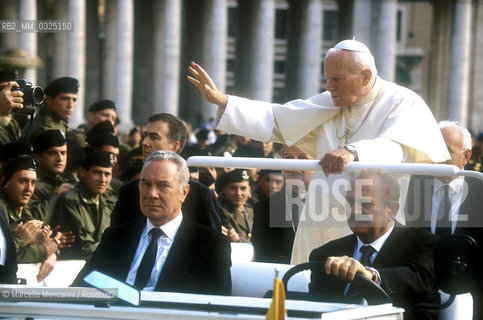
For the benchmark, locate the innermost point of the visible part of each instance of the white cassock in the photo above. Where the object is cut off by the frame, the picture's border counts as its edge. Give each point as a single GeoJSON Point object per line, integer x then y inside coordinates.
{"type": "Point", "coordinates": [391, 124]}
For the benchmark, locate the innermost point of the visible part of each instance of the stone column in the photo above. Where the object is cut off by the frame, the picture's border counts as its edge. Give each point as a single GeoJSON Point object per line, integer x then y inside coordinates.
{"type": "Point", "coordinates": [215, 34]}
{"type": "Point", "coordinates": [167, 51]}
{"type": "Point", "coordinates": [109, 51]}
{"type": "Point", "coordinates": [385, 54]}
{"type": "Point", "coordinates": [476, 102]}
{"type": "Point", "coordinates": [8, 11]}
{"type": "Point", "coordinates": [255, 49]}
{"type": "Point", "coordinates": [93, 66]}
{"type": "Point", "coordinates": [304, 49]}
{"type": "Point", "coordinates": [460, 62]}
{"type": "Point", "coordinates": [362, 22]}
{"type": "Point", "coordinates": [60, 48]}
{"type": "Point", "coordinates": [124, 62]}
{"type": "Point", "coordinates": [346, 19]}
{"type": "Point", "coordinates": [439, 57]}
{"type": "Point", "coordinates": [76, 57]}
{"type": "Point", "coordinates": [28, 40]}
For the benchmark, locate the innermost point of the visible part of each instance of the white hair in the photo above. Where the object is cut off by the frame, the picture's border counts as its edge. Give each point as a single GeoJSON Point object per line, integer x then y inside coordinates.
{"type": "Point", "coordinates": [164, 155]}
{"type": "Point", "coordinates": [361, 60]}
{"type": "Point", "coordinates": [455, 124]}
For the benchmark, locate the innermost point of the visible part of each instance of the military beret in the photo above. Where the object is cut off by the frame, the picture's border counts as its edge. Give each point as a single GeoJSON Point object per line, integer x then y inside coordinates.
{"type": "Point", "coordinates": [263, 172]}
{"type": "Point", "coordinates": [101, 127]}
{"type": "Point", "coordinates": [13, 149]}
{"type": "Point", "coordinates": [98, 158]}
{"type": "Point", "coordinates": [237, 175]}
{"type": "Point", "coordinates": [102, 105]}
{"type": "Point", "coordinates": [103, 139]}
{"type": "Point", "coordinates": [49, 139]}
{"type": "Point", "coordinates": [62, 85]}
{"type": "Point", "coordinates": [22, 162]}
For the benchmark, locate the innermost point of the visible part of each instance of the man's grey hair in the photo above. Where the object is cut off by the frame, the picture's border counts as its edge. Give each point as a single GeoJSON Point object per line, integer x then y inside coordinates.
{"type": "Point", "coordinates": [383, 179]}
{"type": "Point", "coordinates": [165, 155]}
{"type": "Point", "coordinates": [361, 60]}
{"type": "Point", "coordinates": [455, 124]}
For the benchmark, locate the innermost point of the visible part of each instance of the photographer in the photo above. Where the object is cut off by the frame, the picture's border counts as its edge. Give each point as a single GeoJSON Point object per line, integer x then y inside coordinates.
{"type": "Point", "coordinates": [9, 127]}
{"type": "Point", "coordinates": [60, 101]}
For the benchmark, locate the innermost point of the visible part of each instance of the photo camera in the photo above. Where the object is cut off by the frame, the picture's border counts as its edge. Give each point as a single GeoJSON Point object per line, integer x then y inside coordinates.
{"type": "Point", "coordinates": [32, 96]}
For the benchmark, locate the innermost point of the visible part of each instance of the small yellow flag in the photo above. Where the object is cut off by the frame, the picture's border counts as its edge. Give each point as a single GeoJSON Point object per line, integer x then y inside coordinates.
{"type": "Point", "coordinates": [277, 307]}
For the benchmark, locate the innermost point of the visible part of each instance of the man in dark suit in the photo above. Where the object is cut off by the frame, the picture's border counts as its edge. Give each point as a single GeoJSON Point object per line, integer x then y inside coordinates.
{"type": "Point", "coordinates": [166, 251]}
{"type": "Point", "coordinates": [8, 255]}
{"type": "Point", "coordinates": [165, 131]}
{"type": "Point", "coordinates": [450, 205]}
{"type": "Point", "coordinates": [398, 259]}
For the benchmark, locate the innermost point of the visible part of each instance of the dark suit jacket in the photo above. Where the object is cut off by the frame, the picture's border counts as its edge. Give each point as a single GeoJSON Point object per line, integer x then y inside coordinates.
{"type": "Point", "coordinates": [405, 263]}
{"type": "Point", "coordinates": [418, 206]}
{"type": "Point", "coordinates": [198, 261]}
{"type": "Point", "coordinates": [8, 272]}
{"type": "Point", "coordinates": [272, 233]}
{"type": "Point", "coordinates": [200, 205]}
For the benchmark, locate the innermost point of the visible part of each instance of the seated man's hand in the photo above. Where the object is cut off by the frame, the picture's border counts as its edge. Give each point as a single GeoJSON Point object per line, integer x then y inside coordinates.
{"type": "Point", "coordinates": [29, 232]}
{"type": "Point", "coordinates": [46, 267]}
{"type": "Point", "coordinates": [63, 239]}
{"type": "Point", "coordinates": [230, 233]}
{"type": "Point", "coordinates": [335, 161]}
{"type": "Point", "coordinates": [205, 84]}
{"type": "Point", "coordinates": [10, 99]}
{"type": "Point", "coordinates": [345, 268]}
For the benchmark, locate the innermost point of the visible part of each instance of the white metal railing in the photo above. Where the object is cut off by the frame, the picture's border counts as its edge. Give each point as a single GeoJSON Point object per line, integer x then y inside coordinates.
{"type": "Point", "coordinates": [313, 165]}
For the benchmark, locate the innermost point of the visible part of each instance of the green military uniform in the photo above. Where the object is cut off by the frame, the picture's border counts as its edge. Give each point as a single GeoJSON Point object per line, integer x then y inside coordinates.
{"type": "Point", "coordinates": [9, 132]}
{"type": "Point", "coordinates": [79, 135]}
{"type": "Point", "coordinates": [32, 253]}
{"type": "Point", "coordinates": [77, 212]}
{"type": "Point", "coordinates": [239, 219]}
{"type": "Point", "coordinates": [45, 120]}
{"type": "Point", "coordinates": [44, 199]}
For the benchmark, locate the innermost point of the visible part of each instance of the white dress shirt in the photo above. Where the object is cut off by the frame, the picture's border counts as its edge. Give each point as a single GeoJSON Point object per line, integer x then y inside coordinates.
{"type": "Point", "coordinates": [165, 242]}
{"type": "Point", "coordinates": [455, 197]}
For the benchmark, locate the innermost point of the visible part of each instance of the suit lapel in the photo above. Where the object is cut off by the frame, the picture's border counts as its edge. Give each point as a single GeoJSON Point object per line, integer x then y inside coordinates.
{"type": "Point", "coordinates": [180, 249]}
{"type": "Point", "coordinates": [127, 247]}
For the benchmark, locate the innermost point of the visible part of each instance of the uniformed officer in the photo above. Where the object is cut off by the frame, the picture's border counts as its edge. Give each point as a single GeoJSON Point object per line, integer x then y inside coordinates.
{"type": "Point", "coordinates": [104, 110]}
{"type": "Point", "coordinates": [50, 152]}
{"type": "Point", "coordinates": [86, 209]}
{"type": "Point", "coordinates": [60, 101]}
{"type": "Point", "coordinates": [235, 210]}
{"type": "Point", "coordinates": [33, 241]}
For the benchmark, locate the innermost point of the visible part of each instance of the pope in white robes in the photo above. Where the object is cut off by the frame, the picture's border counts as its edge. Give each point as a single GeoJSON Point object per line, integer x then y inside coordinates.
{"type": "Point", "coordinates": [360, 117]}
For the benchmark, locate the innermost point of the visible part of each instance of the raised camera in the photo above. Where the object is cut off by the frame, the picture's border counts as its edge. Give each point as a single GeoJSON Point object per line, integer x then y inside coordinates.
{"type": "Point", "coordinates": [32, 96]}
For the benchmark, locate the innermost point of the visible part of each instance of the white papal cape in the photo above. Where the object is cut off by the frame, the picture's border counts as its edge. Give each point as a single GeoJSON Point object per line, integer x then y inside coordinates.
{"type": "Point", "coordinates": [391, 124]}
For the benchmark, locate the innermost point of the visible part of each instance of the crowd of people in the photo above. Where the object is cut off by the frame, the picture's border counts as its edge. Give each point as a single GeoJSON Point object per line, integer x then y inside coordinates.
{"type": "Point", "coordinates": [129, 205]}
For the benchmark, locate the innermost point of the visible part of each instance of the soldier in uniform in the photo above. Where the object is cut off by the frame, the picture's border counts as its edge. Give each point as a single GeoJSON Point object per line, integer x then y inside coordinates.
{"type": "Point", "coordinates": [50, 152]}
{"type": "Point", "coordinates": [86, 209]}
{"type": "Point", "coordinates": [33, 241]}
{"type": "Point", "coordinates": [60, 101]}
{"type": "Point", "coordinates": [104, 110]}
{"type": "Point", "coordinates": [235, 210]}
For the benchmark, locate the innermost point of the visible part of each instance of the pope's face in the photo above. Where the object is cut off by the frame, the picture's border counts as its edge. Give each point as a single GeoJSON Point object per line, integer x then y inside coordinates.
{"type": "Point", "coordinates": [344, 84]}
{"type": "Point", "coordinates": [160, 195]}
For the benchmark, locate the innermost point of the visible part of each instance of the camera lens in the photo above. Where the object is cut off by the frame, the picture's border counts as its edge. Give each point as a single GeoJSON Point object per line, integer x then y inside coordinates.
{"type": "Point", "coordinates": [37, 95]}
